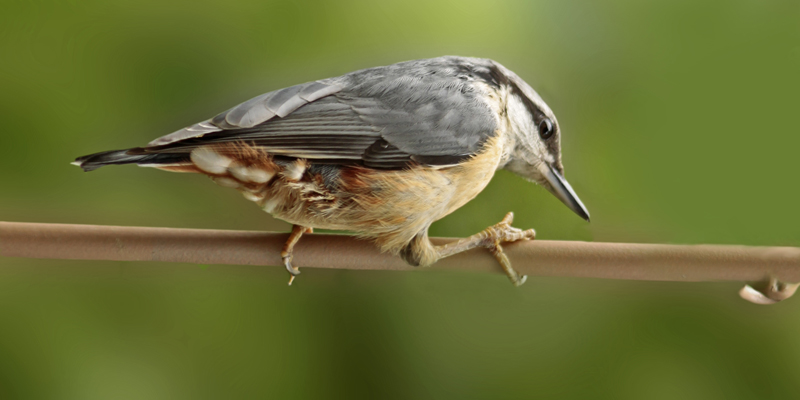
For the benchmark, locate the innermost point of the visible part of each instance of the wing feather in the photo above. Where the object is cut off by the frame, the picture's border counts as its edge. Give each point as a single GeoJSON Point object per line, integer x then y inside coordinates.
{"type": "Point", "coordinates": [426, 111]}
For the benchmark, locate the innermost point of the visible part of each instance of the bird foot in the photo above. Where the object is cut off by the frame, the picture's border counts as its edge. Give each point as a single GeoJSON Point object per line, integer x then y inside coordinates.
{"type": "Point", "coordinates": [504, 232]}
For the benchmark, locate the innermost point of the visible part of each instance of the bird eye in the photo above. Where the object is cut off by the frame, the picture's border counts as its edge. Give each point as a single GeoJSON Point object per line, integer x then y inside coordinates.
{"type": "Point", "coordinates": [546, 129]}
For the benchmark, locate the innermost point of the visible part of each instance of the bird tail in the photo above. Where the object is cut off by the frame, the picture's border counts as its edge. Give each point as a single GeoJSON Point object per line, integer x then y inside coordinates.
{"type": "Point", "coordinates": [134, 155]}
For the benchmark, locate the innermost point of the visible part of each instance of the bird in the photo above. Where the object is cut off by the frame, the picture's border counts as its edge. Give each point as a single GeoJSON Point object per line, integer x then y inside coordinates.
{"type": "Point", "coordinates": [382, 152]}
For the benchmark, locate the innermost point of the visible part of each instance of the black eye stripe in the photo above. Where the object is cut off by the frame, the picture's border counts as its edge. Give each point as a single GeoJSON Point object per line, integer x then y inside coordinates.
{"type": "Point", "coordinates": [546, 129]}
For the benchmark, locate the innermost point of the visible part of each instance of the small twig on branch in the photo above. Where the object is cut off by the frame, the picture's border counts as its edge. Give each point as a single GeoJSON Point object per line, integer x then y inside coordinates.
{"type": "Point", "coordinates": [536, 258]}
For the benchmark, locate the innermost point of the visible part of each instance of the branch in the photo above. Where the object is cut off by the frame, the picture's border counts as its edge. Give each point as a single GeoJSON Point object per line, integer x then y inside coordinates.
{"type": "Point", "coordinates": [657, 262]}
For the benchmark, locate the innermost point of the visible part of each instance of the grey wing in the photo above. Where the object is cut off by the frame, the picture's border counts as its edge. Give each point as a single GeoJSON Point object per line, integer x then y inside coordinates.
{"type": "Point", "coordinates": [255, 111]}
{"type": "Point", "coordinates": [372, 117]}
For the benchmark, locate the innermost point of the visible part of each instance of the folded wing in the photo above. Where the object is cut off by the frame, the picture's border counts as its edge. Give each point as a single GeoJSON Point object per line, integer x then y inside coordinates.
{"type": "Point", "coordinates": [382, 118]}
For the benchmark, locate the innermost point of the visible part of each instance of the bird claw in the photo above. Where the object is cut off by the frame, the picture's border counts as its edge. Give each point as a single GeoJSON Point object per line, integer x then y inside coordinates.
{"type": "Point", "coordinates": [293, 271]}
{"type": "Point", "coordinates": [288, 248]}
{"type": "Point", "coordinates": [502, 258]}
{"type": "Point", "coordinates": [287, 262]}
{"type": "Point", "coordinates": [503, 232]}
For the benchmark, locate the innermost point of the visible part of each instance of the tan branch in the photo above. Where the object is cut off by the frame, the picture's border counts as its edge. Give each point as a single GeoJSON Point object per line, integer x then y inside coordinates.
{"type": "Point", "coordinates": [536, 258]}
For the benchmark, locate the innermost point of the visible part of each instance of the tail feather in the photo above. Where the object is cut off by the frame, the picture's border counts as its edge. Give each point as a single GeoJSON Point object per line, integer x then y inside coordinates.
{"type": "Point", "coordinates": [128, 156]}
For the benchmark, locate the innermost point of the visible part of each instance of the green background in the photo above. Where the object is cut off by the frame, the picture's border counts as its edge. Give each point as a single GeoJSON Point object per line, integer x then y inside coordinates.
{"type": "Point", "coordinates": [680, 122]}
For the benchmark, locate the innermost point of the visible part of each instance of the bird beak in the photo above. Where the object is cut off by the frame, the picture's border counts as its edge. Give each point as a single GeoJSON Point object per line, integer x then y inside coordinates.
{"type": "Point", "coordinates": [560, 188]}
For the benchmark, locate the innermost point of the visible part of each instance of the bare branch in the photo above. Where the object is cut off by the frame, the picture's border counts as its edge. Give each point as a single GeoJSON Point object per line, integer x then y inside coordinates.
{"type": "Point", "coordinates": [537, 258]}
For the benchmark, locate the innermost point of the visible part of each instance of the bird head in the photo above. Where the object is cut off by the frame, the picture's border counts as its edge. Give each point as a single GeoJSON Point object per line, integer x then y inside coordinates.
{"type": "Point", "coordinates": [536, 151]}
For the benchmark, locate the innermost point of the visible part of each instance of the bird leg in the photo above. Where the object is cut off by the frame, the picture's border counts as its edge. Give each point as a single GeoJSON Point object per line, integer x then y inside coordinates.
{"type": "Point", "coordinates": [288, 248]}
{"type": "Point", "coordinates": [420, 251]}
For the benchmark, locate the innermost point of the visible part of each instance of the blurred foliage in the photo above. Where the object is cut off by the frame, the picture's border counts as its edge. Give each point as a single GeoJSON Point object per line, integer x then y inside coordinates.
{"type": "Point", "coordinates": [679, 122]}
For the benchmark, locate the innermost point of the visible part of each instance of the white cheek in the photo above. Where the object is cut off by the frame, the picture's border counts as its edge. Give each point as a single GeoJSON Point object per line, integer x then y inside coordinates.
{"type": "Point", "coordinates": [521, 124]}
{"type": "Point", "coordinates": [519, 117]}
{"type": "Point", "coordinates": [529, 147]}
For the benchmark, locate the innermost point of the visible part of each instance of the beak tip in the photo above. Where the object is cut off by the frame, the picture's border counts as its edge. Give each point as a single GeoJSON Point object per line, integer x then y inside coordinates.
{"type": "Point", "coordinates": [583, 213]}
{"type": "Point", "coordinates": [561, 189]}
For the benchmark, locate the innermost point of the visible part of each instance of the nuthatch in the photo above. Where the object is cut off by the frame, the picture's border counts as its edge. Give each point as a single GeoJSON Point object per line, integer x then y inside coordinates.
{"type": "Point", "coordinates": [383, 151]}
